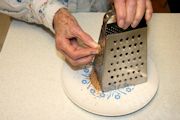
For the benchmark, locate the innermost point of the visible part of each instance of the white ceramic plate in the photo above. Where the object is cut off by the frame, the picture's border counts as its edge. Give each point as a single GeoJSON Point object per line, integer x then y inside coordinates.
{"type": "Point", "coordinates": [123, 101]}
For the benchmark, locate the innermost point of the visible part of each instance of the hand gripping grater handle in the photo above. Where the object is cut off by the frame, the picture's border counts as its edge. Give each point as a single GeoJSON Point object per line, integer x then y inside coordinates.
{"type": "Point", "coordinates": [123, 57]}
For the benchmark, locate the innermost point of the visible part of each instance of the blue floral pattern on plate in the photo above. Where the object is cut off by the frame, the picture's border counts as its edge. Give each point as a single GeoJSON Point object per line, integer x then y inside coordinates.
{"type": "Point", "coordinates": [114, 94]}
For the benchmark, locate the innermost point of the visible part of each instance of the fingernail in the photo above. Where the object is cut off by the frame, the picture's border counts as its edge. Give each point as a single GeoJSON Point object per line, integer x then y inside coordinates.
{"type": "Point", "coordinates": [97, 51]}
{"type": "Point", "coordinates": [121, 23]}
{"type": "Point", "coordinates": [125, 27]}
{"type": "Point", "coordinates": [134, 24]}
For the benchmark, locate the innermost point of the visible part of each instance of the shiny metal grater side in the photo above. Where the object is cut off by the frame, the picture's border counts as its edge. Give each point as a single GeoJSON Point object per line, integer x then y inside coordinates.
{"type": "Point", "coordinates": [123, 58]}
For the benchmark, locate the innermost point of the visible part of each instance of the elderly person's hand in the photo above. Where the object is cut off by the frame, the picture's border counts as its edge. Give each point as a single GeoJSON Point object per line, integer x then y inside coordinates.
{"type": "Point", "coordinates": [67, 31]}
{"type": "Point", "coordinates": [130, 12]}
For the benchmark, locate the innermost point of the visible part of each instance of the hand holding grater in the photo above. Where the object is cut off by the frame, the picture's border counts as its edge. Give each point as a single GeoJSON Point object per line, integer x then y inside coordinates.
{"type": "Point", "coordinates": [123, 58]}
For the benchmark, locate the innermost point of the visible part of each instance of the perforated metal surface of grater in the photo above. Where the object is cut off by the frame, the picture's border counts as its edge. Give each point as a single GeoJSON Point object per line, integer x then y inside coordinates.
{"type": "Point", "coordinates": [124, 56]}
{"type": "Point", "coordinates": [125, 59]}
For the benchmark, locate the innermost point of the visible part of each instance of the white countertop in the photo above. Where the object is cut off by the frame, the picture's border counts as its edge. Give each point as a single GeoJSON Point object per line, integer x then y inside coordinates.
{"type": "Point", "coordinates": [30, 68]}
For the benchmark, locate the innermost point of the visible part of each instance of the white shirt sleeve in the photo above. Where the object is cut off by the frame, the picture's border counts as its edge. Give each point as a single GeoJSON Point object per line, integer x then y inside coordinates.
{"type": "Point", "coordinates": [34, 11]}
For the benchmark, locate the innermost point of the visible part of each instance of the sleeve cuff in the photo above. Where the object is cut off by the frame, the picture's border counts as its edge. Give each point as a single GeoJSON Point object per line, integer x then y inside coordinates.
{"type": "Point", "coordinates": [49, 13]}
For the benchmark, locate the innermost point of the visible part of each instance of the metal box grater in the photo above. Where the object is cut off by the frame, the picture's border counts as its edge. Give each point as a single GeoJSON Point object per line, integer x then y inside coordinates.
{"type": "Point", "coordinates": [123, 58]}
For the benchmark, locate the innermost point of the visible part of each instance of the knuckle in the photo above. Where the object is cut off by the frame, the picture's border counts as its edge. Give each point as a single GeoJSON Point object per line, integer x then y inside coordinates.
{"type": "Point", "coordinates": [119, 1]}
{"type": "Point", "coordinates": [75, 31]}
{"type": "Point", "coordinates": [58, 45]}
{"type": "Point", "coordinates": [121, 15]}
{"type": "Point", "coordinates": [132, 3]}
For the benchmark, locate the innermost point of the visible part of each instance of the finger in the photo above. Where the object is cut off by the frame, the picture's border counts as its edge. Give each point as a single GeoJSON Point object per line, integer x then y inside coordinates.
{"type": "Point", "coordinates": [120, 7]}
{"type": "Point", "coordinates": [79, 62]}
{"type": "Point", "coordinates": [73, 52]}
{"type": "Point", "coordinates": [85, 38]}
{"type": "Point", "coordinates": [149, 10]}
{"type": "Point", "coordinates": [140, 11]}
{"type": "Point", "coordinates": [131, 6]}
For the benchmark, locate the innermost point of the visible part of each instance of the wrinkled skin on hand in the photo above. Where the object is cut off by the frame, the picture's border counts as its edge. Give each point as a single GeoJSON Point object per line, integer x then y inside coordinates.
{"type": "Point", "coordinates": [67, 32]}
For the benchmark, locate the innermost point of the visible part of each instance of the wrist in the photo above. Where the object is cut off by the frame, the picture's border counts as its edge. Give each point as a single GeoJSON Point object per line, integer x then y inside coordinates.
{"type": "Point", "coordinates": [57, 15]}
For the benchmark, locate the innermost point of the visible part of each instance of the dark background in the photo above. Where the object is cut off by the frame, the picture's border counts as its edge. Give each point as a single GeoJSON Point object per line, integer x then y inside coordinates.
{"type": "Point", "coordinates": [174, 6]}
{"type": "Point", "coordinates": [166, 6]}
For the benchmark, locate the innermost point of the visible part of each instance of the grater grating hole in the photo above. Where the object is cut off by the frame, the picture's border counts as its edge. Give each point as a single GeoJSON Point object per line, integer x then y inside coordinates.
{"type": "Point", "coordinates": [139, 70]}
{"type": "Point", "coordinates": [125, 80]}
{"type": "Point", "coordinates": [124, 47]}
{"type": "Point", "coordinates": [115, 42]}
{"type": "Point", "coordinates": [109, 83]}
{"type": "Point", "coordinates": [122, 74]}
{"type": "Point", "coordinates": [142, 63]}
{"type": "Point", "coordinates": [120, 55]}
{"type": "Point", "coordinates": [131, 66]}
{"type": "Point", "coordinates": [136, 65]}
{"type": "Point", "coordinates": [115, 56]}
{"type": "Point", "coordinates": [133, 72]}
{"type": "Point", "coordinates": [109, 71]}
{"type": "Point", "coordinates": [115, 69]}
{"type": "Point", "coordinates": [121, 40]}
{"type": "Point", "coordinates": [120, 81]}
{"type": "Point", "coordinates": [112, 49]}
{"type": "Point", "coordinates": [141, 76]}
{"type": "Point", "coordinates": [135, 44]}
{"type": "Point", "coordinates": [117, 76]}
{"type": "Point", "coordinates": [112, 77]}
{"type": "Point", "coordinates": [125, 67]}
{"type": "Point", "coordinates": [132, 52]}
{"type": "Point", "coordinates": [133, 37]}
{"type": "Point", "coordinates": [141, 43]}
{"type": "Point", "coordinates": [130, 78]}
{"type": "Point", "coordinates": [114, 82]}
{"type": "Point", "coordinates": [118, 48]}
{"type": "Point", "coordinates": [127, 38]}
{"type": "Point", "coordinates": [129, 60]}
{"type": "Point", "coordinates": [111, 64]}
{"type": "Point", "coordinates": [134, 58]}
{"type": "Point", "coordinates": [138, 51]}
{"type": "Point", "coordinates": [140, 57]}
{"type": "Point", "coordinates": [117, 62]}
{"type": "Point", "coordinates": [120, 68]}
{"type": "Point", "coordinates": [128, 73]}
{"type": "Point", "coordinates": [126, 54]}
{"type": "Point", "coordinates": [135, 77]}
{"type": "Point", "coordinates": [130, 46]}
{"type": "Point", "coordinates": [139, 36]}
{"type": "Point", "coordinates": [123, 61]}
